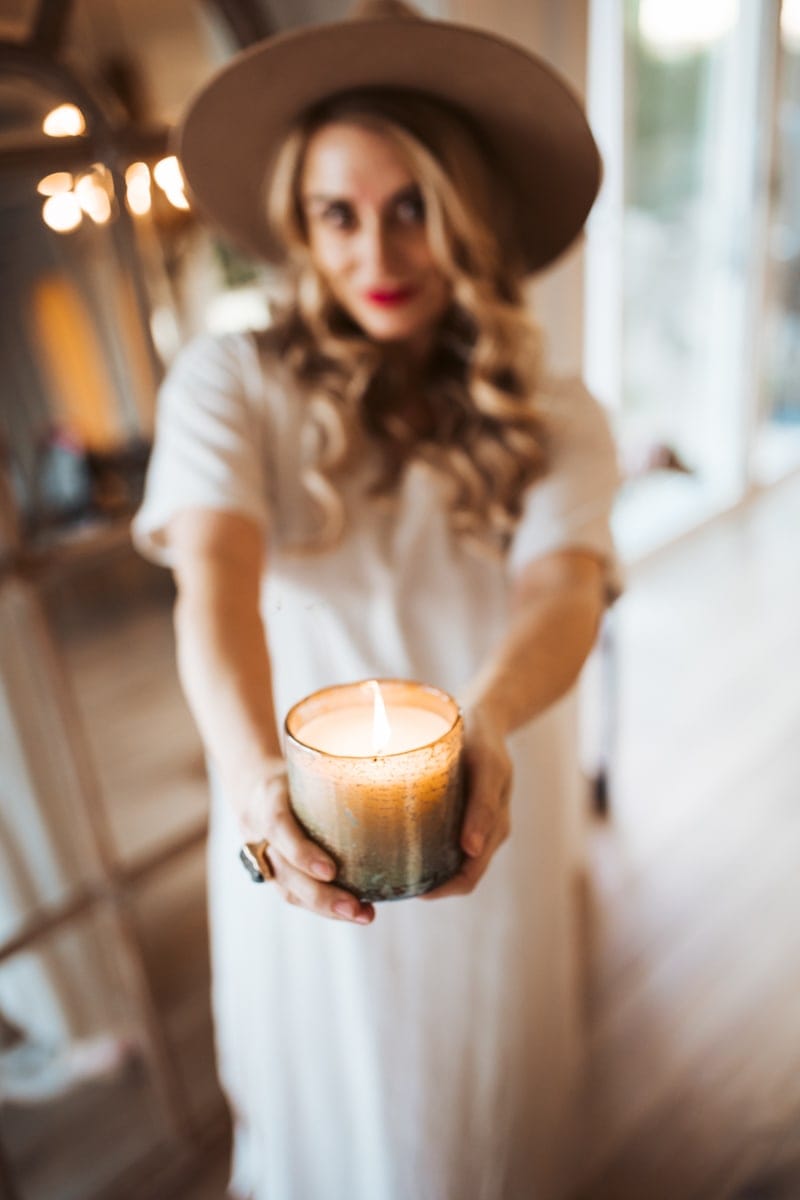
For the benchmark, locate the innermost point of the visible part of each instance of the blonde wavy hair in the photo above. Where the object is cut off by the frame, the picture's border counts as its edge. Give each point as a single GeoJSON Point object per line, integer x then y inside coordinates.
{"type": "Point", "coordinates": [485, 440]}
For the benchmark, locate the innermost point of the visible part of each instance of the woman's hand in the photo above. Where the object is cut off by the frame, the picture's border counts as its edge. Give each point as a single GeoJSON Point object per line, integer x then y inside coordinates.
{"type": "Point", "coordinates": [486, 822]}
{"type": "Point", "coordinates": [302, 871]}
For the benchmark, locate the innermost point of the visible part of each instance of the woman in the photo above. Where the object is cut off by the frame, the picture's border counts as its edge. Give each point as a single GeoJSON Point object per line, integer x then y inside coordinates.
{"type": "Point", "coordinates": [384, 484]}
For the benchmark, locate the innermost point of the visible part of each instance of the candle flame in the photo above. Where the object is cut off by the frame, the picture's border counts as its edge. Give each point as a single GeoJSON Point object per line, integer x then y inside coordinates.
{"type": "Point", "coordinates": [381, 730]}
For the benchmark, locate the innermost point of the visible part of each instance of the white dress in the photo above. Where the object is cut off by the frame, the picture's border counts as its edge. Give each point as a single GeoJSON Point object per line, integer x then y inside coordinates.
{"type": "Point", "coordinates": [430, 1055]}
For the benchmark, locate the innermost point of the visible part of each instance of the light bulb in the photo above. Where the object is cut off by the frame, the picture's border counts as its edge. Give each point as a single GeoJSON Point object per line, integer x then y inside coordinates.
{"type": "Point", "coordinates": [178, 200]}
{"type": "Point", "coordinates": [137, 183]}
{"type": "Point", "coordinates": [65, 121]}
{"type": "Point", "coordinates": [62, 212]}
{"type": "Point", "coordinates": [93, 198]}
{"type": "Point", "coordinates": [167, 174]}
{"type": "Point", "coordinates": [52, 185]}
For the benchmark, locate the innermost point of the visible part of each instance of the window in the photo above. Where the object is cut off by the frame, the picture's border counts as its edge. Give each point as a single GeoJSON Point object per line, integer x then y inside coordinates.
{"type": "Point", "coordinates": [687, 150]}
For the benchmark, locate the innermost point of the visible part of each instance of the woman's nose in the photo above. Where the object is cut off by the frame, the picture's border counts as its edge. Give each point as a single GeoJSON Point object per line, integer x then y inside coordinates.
{"type": "Point", "coordinates": [379, 252]}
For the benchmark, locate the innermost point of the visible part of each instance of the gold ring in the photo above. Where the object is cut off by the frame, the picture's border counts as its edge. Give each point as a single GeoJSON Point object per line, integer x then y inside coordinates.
{"type": "Point", "coordinates": [254, 857]}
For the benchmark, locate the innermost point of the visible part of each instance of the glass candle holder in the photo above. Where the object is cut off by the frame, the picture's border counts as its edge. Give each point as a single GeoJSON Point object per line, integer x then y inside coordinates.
{"type": "Point", "coordinates": [376, 777]}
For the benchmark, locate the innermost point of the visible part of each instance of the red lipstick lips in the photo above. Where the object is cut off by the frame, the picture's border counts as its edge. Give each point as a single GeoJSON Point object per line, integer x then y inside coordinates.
{"type": "Point", "coordinates": [389, 297]}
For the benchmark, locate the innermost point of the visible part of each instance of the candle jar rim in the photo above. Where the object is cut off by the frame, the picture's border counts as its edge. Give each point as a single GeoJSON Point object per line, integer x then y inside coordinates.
{"type": "Point", "coordinates": [430, 688]}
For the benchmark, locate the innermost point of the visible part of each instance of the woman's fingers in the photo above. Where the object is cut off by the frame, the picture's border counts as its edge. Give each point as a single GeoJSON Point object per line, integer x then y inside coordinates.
{"type": "Point", "coordinates": [487, 796]}
{"type": "Point", "coordinates": [321, 898]}
{"type": "Point", "coordinates": [302, 870]}
{"type": "Point", "coordinates": [285, 834]}
{"type": "Point", "coordinates": [472, 870]}
{"type": "Point", "coordinates": [486, 818]}
{"type": "Point", "coordinates": [479, 821]}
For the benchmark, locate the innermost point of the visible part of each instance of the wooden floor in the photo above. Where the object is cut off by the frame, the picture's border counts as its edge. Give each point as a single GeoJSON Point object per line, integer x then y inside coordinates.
{"type": "Point", "coordinates": [693, 906]}
{"type": "Point", "coordinates": [694, 913]}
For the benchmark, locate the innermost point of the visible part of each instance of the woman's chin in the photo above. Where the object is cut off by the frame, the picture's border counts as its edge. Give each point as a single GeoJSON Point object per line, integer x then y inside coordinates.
{"type": "Point", "coordinates": [391, 330]}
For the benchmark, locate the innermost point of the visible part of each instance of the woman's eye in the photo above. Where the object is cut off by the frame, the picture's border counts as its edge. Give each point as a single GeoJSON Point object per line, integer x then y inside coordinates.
{"type": "Point", "coordinates": [339, 215]}
{"type": "Point", "coordinates": [410, 208]}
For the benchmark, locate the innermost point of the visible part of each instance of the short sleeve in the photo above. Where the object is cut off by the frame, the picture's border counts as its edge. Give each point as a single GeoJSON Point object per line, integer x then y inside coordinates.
{"type": "Point", "coordinates": [570, 507]}
{"type": "Point", "coordinates": [208, 450]}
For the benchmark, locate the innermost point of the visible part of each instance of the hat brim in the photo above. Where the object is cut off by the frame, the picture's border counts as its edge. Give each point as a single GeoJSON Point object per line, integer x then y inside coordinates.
{"type": "Point", "coordinates": [531, 121]}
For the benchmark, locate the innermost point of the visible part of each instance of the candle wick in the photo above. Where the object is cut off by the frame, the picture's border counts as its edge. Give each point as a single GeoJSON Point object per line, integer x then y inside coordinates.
{"type": "Point", "coordinates": [381, 730]}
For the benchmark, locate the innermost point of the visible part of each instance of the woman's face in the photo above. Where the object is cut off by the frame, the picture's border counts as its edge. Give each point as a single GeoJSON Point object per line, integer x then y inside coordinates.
{"type": "Point", "coordinates": [366, 230]}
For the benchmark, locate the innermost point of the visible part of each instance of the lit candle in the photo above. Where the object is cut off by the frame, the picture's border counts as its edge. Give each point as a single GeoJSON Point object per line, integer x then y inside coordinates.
{"type": "Point", "coordinates": [376, 777]}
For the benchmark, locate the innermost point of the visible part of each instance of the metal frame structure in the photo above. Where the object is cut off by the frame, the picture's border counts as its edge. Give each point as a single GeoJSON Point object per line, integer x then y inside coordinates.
{"type": "Point", "coordinates": [112, 890]}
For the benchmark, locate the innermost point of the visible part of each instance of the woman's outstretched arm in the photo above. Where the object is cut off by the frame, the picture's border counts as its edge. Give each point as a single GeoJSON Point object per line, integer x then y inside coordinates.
{"type": "Point", "coordinates": [556, 608]}
{"type": "Point", "coordinates": [224, 667]}
{"type": "Point", "coordinates": [557, 603]}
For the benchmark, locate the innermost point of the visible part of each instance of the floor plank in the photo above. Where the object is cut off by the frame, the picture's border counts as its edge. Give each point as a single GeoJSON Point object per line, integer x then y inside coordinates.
{"type": "Point", "coordinates": [694, 1023]}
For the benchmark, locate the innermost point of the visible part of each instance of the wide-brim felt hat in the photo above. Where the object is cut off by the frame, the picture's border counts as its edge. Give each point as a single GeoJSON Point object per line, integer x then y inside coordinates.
{"type": "Point", "coordinates": [529, 120]}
